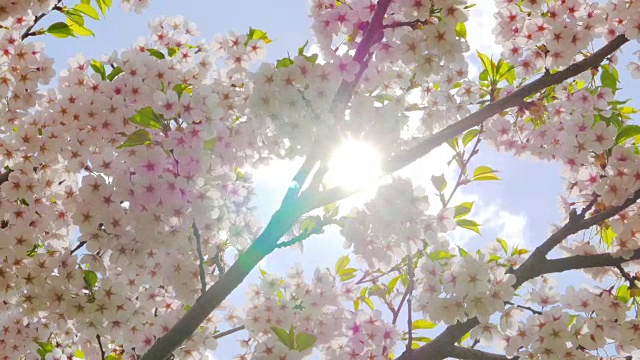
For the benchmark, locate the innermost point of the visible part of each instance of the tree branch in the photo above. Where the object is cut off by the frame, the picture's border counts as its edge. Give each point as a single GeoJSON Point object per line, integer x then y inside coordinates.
{"type": "Point", "coordinates": [585, 262]}
{"type": "Point", "coordinates": [535, 265]}
{"type": "Point", "coordinates": [281, 221]}
{"type": "Point", "coordinates": [228, 332]}
{"type": "Point", "coordinates": [464, 353]}
{"type": "Point", "coordinates": [203, 276]}
{"type": "Point", "coordinates": [102, 353]}
{"type": "Point", "coordinates": [78, 247]}
{"type": "Point", "coordinates": [514, 99]}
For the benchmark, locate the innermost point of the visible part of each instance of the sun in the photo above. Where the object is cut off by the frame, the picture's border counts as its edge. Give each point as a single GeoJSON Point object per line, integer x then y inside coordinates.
{"type": "Point", "coordinates": [354, 165]}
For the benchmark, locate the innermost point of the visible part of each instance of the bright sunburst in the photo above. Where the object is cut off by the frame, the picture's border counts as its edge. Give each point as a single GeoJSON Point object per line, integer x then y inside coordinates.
{"type": "Point", "coordinates": [353, 165]}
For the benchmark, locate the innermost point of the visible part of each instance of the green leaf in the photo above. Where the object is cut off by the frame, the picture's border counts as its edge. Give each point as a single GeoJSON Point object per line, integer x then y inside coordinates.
{"type": "Point", "coordinates": [461, 30]}
{"type": "Point", "coordinates": [90, 278]}
{"type": "Point", "coordinates": [60, 30]}
{"type": "Point", "coordinates": [301, 48]}
{"type": "Point", "coordinates": [74, 16]}
{"type": "Point", "coordinates": [79, 29]}
{"type": "Point", "coordinates": [469, 136]}
{"type": "Point", "coordinates": [311, 58]}
{"type": "Point", "coordinates": [440, 255]}
{"type": "Point", "coordinates": [422, 324]}
{"type": "Point", "coordinates": [113, 356]}
{"type": "Point", "coordinates": [172, 51]}
{"type": "Point", "coordinates": [283, 63]}
{"type": "Point", "coordinates": [283, 336]}
{"type": "Point", "coordinates": [210, 144]}
{"type": "Point", "coordinates": [369, 303]}
{"type": "Point", "coordinates": [503, 243]}
{"type": "Point", "coordinates": [623, 294]}
{"type": "Point", "coordinates": [98, 67]}
{"type": "Point", "coordinates": [257, 34]}
{"type": "Point", "coordinates": [469, 224]}
{"type": "Point", "coordinates": [79, 354]}
{"type": "Point", "coordinates": [347, 274]}
{"type": "Point", "coordinates": [422, 339]}
{"type": "Point", "coordinates": [114, 73]}
{"type": "Point", "coordinates": [607, 235]}
{"type": "Point", "coordinates": [609, 77]}
{"type": "Point", "coordinates": [342, 264]}
{"type": "Point", "coordinates": [462, 251]}
{"type": "Point", "coordinates": [137, 138]}
{"type": "Point", "coordinates": [487, 64]}
{"type": "Point", "coordinates": [627, 132]}
{"type": "Point", "coordinates": [463, 209]}
{"type": "Point", "coordinates": [305, 341]}
{"type": "Point", "coordinates": [392, 285]}
{"type": "Point", "coordinates": [147, 118]}
{"type": "Point", "coordinates": [484, 173]}
{"type": "Point", "coordinates": [87, 10]}
{"type": "Point", "coordinates": [103, 5]}
{"type": "Point", "coordinates": [156, 54]}
{"type": "Point", "coordinates": [463, 338]}
{"type": "Point", "coordinates": [180, 89]}
{"type": "Point", "coordinates": [439, 182]}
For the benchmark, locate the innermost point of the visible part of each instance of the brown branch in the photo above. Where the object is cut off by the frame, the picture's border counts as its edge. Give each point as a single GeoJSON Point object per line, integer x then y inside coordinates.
{"type": "Point", "coordinates": [536, 264]}
{"type": "Point", "coordinates": [228, 332]}
{"type": "Point", "coordinates": [514, 99]}
{"type": "Point", "coordinates": [202, 274]}
{"type": "Point", "coordinates": [102, 352]}
{"type": "Point", "coordinates": [585, 262]}
{"type": "Point", "coordinates": [371, 36]}
{"type": "Point", "coordinates": [28, 31]}
{"type": "Point", "coordinates": [4, 177]}
{"type": "Point", "coordinates": [284, 218]}
{"type": "Point", "coordinates": [528, 308]}
{"type": "Point", "coordinates": [464, 353]}
{"type": "Point", "coordinates": [281, 221]}
{"type": "Point", "coordinates": [78, 247]}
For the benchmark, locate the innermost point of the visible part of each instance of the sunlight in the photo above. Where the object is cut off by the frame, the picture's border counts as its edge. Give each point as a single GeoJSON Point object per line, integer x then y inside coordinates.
{"type": "Point", "coordinates": [353, 165]}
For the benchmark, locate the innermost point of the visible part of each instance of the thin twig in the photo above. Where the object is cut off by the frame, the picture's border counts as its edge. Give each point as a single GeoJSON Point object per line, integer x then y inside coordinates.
{"type": "Point", "coordinates": [28, 31]}
{"type": "Point", "coordinates": [78, 247]}
{"type": "Point", "coordinates": [103, 354]}
{"type": "Point", "coordinates": [228, 332]}
{"type": "Point", "coordinates": [203, 276]}
{"type": "Point", "coordinates": [464, 166]}
{"type": "Point", "coordinates": [524, 307]}
{"type": "Point", "coordinates": [409, 309]}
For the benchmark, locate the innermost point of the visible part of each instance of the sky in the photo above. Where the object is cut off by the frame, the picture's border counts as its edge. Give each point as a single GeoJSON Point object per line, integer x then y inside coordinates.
{"type": "Point", "coordinates": [520, 208]}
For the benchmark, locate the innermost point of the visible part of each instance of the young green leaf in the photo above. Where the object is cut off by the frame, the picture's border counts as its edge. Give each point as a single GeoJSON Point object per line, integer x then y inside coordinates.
{"type": "Point", "coordinates": [88, 10]}
{"type": "Point", "coordinates": [482, 173]}
{"type": "Point", "coordinates": [463, 209]}
{"type": "Point", "coordinates": [341, 264]}
{"type": "Point", "coordinates": [469, 224]}
{"type": "Point", "coordinates": [504, 245]}
{"type": "Point", "coordinates": [305, 341]}
{"type": "Point", "coordinates": [156, 54]}
{"type": "Point", "coordinates": [60, 30]}
{"type": "Point", "coordinates": [284, 337]}
{"type": "Point", "coordinates": [469, 136]}
{"type": "Point", "coordinates": [137, 138]}
{"type": "Point", "coordinates": [147, 118]}
{"type": "Point", "coordinates": [90, 278]}
{"type": "Point", "coordinates": [422, 324]}
{"type": "Point", "coordinates": [98, 67]}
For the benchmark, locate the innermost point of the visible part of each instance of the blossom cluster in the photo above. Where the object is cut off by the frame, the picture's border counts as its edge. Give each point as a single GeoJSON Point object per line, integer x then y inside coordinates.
{"type": "Point", "coordinates": [316, 309]}
{"type": "Point", "coordinates": [128, 155]}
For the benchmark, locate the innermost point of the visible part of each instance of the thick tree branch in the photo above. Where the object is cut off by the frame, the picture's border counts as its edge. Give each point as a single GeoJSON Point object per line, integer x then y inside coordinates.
{"type": "Point", "coordinates": [464, 353]}
{"type": "Point", "coordinates": [281, 221]}
{"type": "Point", "coordinates": [410, 155]}
{"type": "Point", "coordinates": [371, 36]}
{"type": "Point", "coordinates": [585, 262]}
{"type": "Point", "coordinates": [535, 265]}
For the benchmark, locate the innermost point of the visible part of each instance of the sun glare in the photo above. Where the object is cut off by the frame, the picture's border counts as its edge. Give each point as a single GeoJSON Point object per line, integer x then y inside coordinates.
{"type": "Point", "coordinates": [353, 165]}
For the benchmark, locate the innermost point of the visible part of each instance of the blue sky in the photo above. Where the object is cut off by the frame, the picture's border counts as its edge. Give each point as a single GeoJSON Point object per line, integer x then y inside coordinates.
{"type": "Point", "coordinates": [523, 205]}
